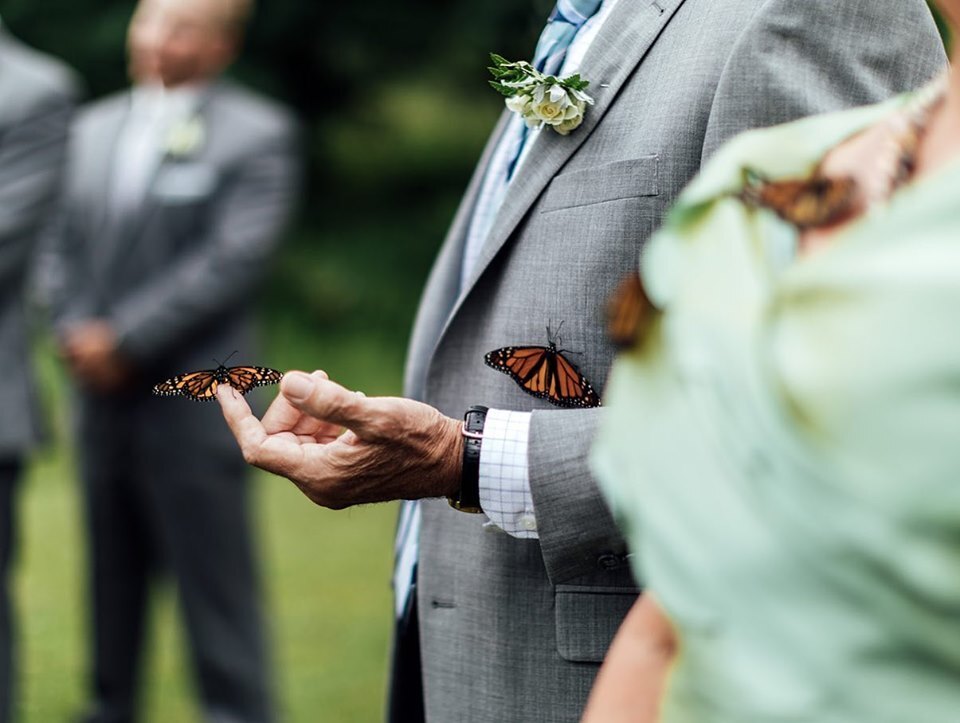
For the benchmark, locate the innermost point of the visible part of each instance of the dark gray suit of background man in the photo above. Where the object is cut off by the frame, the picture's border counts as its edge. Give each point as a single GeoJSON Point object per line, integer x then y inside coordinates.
{"type": "Point", "coordinates": [514, 622]}
{"type": "Point", "coordinates": [36, 103]}
{"type": "Point", "coordinates": [176, 196]}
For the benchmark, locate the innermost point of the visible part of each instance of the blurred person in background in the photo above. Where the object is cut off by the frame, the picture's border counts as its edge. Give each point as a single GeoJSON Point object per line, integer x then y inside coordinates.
{"type": "Point", "coordinates": [790, 487]}
{"type": "Point", "coordinates": [505, 614]}
{"type": "Point", "coordinates": [177, 194]}
{"type": "Point", "coordinates": [37, 95]}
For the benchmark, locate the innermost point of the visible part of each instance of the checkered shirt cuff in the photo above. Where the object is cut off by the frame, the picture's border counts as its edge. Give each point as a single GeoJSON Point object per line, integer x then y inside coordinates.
{"type": "Point", "coordinates": [504, 476]}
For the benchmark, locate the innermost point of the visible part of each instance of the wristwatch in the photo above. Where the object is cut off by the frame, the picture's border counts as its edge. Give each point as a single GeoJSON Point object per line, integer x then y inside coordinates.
{"type": "Point", "coordinates": [467, 498]}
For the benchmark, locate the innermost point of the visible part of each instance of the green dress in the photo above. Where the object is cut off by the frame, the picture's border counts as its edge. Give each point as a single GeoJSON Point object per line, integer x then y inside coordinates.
{"type": "Point", "coordinates": [782, 448]}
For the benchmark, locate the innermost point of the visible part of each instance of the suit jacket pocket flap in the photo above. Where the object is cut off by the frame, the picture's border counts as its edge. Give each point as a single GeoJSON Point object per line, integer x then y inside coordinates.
{"type": "Point", "coordinates": [588, 618]}
{"type": "Point", "coordinates": [632, 178]}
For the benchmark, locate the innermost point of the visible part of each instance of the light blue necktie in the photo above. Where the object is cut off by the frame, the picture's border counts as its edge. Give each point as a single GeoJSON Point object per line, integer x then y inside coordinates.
{"type": "Point", "coordinates": [566, 19]}
{"type": "Point", "coordinates": [562, 27]}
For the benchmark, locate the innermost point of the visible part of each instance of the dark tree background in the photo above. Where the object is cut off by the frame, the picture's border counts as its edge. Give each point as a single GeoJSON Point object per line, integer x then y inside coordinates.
{"type": "Point", "coordinates": [395, 106]}
{"type": "Point", "coordinates": [335, 63]}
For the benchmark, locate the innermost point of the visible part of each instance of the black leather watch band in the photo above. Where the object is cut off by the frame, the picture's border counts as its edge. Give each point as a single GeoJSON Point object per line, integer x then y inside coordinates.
{"type": "Point", "coordinates": [468, 498]}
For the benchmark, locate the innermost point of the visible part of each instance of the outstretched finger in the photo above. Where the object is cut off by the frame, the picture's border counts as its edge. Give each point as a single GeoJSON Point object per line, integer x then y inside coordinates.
{"type": "Point", "coordinates": [332, 403]}
{"type": "Point", "coordinates": [247, 429]}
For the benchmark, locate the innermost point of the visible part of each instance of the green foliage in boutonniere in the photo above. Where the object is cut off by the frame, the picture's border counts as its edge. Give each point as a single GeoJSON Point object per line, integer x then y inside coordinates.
{"type": "Point", "coordinates": [541, 100]}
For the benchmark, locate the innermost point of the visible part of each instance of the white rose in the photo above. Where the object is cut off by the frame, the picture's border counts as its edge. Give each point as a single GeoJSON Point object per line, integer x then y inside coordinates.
{"type": "Point", "coordinates": [578, 96]}
{"type": "Point", "coordinates": [558, 94]}
{"type": "Point", "coordinates": [549, 113]}
{"type": "Point", "coordinates": [572, 122]}
{"type": "Point", "coordinates": [551, 108]}
{"type": "Point", "coordinates": [532, 120]}
{"type": "Point", "coordinates": [518, 103]}
{"type": "Point", "coordinates": [548, 103]}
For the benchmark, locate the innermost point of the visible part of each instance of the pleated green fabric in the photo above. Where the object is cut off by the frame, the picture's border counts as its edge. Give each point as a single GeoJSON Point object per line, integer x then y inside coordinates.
{"type": "Point", "coordinates": [782, 448]}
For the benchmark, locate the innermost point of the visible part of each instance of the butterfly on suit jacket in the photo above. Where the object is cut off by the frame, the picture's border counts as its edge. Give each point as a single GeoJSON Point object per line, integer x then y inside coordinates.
{"type": "Point", "coordinates": [201, 386]}
{"type": "Point", "coordinates": [544, 372]}
{"type": "Point", "coordinates": [629, 312]}
{"type": "Point", "coordinates": [804, 202]}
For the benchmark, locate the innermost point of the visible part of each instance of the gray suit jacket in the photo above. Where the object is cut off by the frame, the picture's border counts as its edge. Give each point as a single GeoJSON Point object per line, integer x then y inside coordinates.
{"type": "Point", "coordinates": [177, 278]}
{"type": "Point", "coordinates": [511, 629]}
{"type": "Point", "coordinates": [36, 102]}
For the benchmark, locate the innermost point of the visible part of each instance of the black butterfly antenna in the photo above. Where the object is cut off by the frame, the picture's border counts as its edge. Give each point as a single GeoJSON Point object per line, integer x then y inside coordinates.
{"type": "Point", "coordinates": [224, 362]}
{"type": "Point", "coordinates": [554, 338]}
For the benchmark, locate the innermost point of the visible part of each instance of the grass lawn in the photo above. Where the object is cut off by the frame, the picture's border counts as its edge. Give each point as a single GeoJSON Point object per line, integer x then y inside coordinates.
{"type": "Point", "coordinates": [326, 576]}
{"type": "Point", "coordinates": [341, 297]}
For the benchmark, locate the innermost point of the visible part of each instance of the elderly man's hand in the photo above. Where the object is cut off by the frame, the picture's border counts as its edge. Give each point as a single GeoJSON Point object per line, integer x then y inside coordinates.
{"type": "Point", "coordinates": [392, 448]}
{"type": "Point", "coordinates": [90, 350]}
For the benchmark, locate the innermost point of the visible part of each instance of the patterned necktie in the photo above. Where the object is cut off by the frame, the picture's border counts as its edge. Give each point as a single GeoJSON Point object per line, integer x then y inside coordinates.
{"type": "Point", "coordinates": [562, 26]}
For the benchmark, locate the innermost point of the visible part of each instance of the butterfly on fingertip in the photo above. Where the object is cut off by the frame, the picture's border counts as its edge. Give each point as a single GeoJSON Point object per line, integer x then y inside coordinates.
{"type": "Point", "coordinates": [201, 386]}
{"type": "Point", "coordinates": [804, 202]}
{"type": "Point", "coordinates": [544, 372]}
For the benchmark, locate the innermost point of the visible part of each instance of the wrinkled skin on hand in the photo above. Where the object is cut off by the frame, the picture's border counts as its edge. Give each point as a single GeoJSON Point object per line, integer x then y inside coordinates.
{"type": "Point", "coordinates": [342, 448]}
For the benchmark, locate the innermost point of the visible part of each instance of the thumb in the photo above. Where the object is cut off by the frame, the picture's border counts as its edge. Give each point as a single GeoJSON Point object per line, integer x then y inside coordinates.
{"type": "Point", "coordinates": [328, 401]}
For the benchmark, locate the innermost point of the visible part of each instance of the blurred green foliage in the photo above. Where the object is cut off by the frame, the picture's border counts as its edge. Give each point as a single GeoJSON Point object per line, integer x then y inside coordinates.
{"type": "Point", "coordinates": [396, 107]}
{"type": "Point", "coordinates": [395, 104]}
{"type": "Point", "coordinates": [942, 24]}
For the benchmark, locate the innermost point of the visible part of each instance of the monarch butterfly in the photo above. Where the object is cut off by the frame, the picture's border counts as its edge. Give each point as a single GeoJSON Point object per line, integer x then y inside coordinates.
{"type": "Point", "coordinates": [202, 386]}
{"type": "Point", "coordinates": [805, 203]}
{"type": "Point", "coordinates": [545, 373]}
{"type": "Point", "coordinates": [629, 311]}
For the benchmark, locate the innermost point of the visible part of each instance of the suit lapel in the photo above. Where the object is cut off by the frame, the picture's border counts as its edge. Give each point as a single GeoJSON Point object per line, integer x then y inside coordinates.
{"type": "Point", "coordinates": [633, 24]}
{"type": "Point", "coordinates": [131, 227]}
{"type": "Point", "coordinates": [100, 162]}
{"type": "Point", "coordinates": [623, 41]}
{"type": "Point", "coordinates": [443, 286]}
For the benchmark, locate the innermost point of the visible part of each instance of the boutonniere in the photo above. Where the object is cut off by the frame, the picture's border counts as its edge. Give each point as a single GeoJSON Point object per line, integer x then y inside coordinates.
{"type": "Point", "coordinates": [541, 100]}
{"type": "Point", "coordinates": [185, 137]}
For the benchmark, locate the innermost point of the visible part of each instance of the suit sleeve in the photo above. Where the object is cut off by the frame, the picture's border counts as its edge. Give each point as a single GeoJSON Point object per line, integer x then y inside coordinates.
{"type": "Point", "coordinates": [577, 532]}
{"type": "Point", "coordinates": [791, 60]}
{"type": "Point", "coordinates": [796, 59]}
{"type": "Point", "coordinates": [31, 160]}
{"type": "Point", "coordinates": [227, 264]}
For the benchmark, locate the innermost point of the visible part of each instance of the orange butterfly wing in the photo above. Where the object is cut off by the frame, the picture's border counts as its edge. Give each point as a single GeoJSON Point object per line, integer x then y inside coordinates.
{"type": "Point", "coordinates": [805, 202]}
{"type": "Point", "coordinates": [544, 372]}
{"type": "Point", "coordinates": [629, 312]}
{"type": "Point", "coordinates": [243, 379]}
{"type": "Point", "coordinates": [201, 386]}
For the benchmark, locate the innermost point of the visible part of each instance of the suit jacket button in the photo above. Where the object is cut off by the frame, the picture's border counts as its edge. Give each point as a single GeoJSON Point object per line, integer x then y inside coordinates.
{"type": "Point", "coordinates": [609, 561]}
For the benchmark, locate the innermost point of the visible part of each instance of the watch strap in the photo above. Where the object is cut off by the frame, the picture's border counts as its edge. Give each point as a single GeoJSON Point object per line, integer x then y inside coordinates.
{"type": "Point", "coordinates": [468, 497]}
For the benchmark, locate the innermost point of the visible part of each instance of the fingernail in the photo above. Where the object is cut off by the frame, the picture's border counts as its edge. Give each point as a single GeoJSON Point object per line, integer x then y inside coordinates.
{"type": "Point", "coordinates": [296, 386]}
